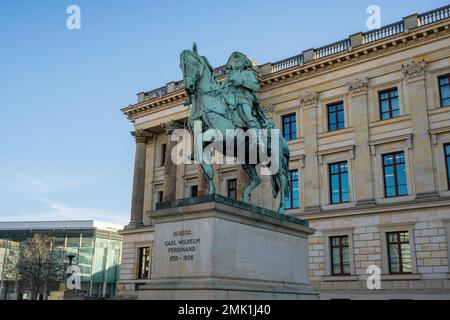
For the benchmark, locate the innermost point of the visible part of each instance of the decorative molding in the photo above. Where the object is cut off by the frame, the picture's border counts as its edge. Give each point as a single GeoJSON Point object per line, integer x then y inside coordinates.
{"type": "Point", "coordinates": [309, 99]}
{"type": "Point", "coordinates": [170, 126]}
{"type": "Point", "coordinates": [358, 86]}
{"type": "Point", "coordinates": [143, 135]}
{"type": "Point", "coordinates": [414, 71]}
{"type": "Point", "coordinates": [407, 137]}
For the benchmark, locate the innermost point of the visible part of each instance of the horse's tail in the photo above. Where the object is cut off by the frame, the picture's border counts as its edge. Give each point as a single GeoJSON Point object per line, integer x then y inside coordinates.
{"type": "Point", "coordinates": [283, 170]}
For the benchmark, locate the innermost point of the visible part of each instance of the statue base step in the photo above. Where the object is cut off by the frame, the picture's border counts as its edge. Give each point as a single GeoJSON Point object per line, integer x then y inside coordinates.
{"type": "Point", "coordinates": [211, 247]}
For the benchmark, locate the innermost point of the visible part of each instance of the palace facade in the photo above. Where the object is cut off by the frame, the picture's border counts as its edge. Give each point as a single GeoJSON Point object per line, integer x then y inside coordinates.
{"type": "Point", "coordinates": [367, 121]}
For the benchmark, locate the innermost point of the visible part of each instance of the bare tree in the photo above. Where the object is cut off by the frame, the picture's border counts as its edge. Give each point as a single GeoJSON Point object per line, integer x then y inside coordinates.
{"type": "Point", "coordinates": [39, 267]}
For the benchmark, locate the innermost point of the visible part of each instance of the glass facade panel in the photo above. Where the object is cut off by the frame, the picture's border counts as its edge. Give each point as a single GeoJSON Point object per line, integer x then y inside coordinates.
{"type": "Point", "coordinates": [98, 274]}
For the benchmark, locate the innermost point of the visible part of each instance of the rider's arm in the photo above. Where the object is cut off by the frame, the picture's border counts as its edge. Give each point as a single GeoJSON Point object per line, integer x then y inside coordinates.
{"type": "Point", "coordinates": [250, 81]}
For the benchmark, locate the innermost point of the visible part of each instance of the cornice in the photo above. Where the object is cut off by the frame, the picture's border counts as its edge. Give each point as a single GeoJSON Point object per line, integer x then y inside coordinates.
{"type": "Point", "coordinates": [363, 53]}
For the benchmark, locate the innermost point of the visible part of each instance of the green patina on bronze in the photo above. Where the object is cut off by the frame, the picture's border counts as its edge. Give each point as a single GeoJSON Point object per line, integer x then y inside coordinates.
{"type": "Point", "coordinates": [232, 104]}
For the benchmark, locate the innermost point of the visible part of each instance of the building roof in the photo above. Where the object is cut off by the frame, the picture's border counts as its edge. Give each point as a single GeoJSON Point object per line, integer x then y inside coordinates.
{"type": "Point", "coordinates": [62, 224]}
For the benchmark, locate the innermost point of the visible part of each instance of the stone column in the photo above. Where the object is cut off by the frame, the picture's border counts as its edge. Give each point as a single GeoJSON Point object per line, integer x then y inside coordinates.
{"type": "Point", "coordinates": [424, 181]}
{"type": "Point", "coordinates": [309, 102]}
{"type": "Point", "coordinates": [362, 168]}
{"type": "Point", "coordinates": [149, 174]}
{"type": "Point", "coordinates": [170, 168]}
{"type": "Point", "coordinates": [137, 201]}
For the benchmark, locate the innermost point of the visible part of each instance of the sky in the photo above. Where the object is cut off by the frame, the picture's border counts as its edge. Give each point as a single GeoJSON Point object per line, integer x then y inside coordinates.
{"type": "Point", "coordinates": [66, 151]}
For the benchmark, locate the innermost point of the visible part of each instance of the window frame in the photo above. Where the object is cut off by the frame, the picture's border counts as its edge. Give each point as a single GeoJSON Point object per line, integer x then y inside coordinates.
{"type": "Point", "coordinates": [192, 188]}
{"type": "Point", "coordinates": [447, 158]}
{"type": "Point", "coordinates": [439, 87]}
{"type": "Point", "coordinates": [335, 104]}
{"type": "Point", "coordinates": [291, 192]}
{"type": "Point", "coordinates": [330, 184]}
{"type": "Point", "coordinates": [395, 164]}
{"type": "Point", "coordinates": [292, 124]}
{"type": "Point", "coordinates": [140, 265]}
{"type": "Point", "coordinates": [341, 256]}
{"type": "Point", "coordinates": [162, 159]}
{"type": "Point", "coordinates": [230, 182]}
{"type": "Point", "coordinates": [388, 91]}
{"type": "Point", "coordinates": [399, 248]}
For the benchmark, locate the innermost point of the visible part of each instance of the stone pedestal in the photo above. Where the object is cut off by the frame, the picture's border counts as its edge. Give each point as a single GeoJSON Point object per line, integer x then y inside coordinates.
{"type": "Point", "coordinates": [211, 247]}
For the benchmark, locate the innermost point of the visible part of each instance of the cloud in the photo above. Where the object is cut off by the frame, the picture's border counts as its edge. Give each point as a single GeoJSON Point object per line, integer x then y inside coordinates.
{"type": "Point", "coordinates": [12, 180]}
{"type": "Point", "coordinates": [60, 211]}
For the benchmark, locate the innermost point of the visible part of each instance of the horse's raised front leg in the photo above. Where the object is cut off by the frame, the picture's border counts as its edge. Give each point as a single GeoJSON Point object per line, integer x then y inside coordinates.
{"type": "Point", "coordinates": [255, 181]}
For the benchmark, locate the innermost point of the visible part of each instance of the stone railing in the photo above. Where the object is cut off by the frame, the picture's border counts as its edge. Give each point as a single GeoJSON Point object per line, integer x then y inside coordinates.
{"type": "Point", "coordinates": [333, 48]}
{"type": "Point", "coordinates": [384, 32]}
{"type": "Point", "coordinates": [434, 15]}
{"type": "Point", "coordinates": [409, 22]}
{"type": "Point", "coordinates": [154, 94]}
{"type": "Point", "coordinates": [287, 63]}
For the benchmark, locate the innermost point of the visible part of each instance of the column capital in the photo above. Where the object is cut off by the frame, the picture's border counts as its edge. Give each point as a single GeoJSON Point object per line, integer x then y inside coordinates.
{"type": "Point", "coordinates": [142, 135]}
{"type": "Point", "coordinates": [171, 126]}
{"type": "Point", "coordinates": [358, 86]}
{"type": "Point", "coordinates": [414, 71]}
{"type": "Point", "coordinates": [309, 99]}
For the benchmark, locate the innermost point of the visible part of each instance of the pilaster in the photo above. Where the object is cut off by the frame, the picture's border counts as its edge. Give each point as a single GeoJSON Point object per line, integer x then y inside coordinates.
{"type": "Point", "coordinates": [309, 102]}
{"type": "Point", "coordinates": [414, 74]}
{"type": "Point", "coordinates": [357, 89]}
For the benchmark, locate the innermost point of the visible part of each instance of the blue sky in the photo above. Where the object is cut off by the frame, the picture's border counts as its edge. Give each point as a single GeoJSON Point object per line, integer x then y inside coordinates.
{"type": "Point", "coordinates": [65, 150]}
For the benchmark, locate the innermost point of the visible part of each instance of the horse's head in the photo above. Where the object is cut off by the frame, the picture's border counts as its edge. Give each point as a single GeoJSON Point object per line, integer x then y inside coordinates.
{"type": "Point", "coordinates": [193, 66]}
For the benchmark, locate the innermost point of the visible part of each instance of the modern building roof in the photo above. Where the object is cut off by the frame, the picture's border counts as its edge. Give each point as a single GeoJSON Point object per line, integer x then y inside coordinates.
{"type": "Point", "coordinates": [62, 224]}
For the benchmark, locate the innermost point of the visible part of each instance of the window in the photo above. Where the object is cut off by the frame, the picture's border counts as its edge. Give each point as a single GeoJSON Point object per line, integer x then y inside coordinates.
{"type": "Point", "coordinates": [444, 90]}
{"type": "Point", "coordinates": [289, 126]}
{"type": "Point", "coordinates": [163, 155]}
{"type": "Point", "coordinates": [338, 173]}
{"type": "Point", "coordinates": [447, 162]}
{"type": "Point", "coordinates": [144, 263]}
{"type": "Point", "coordinates": [160, 196]}
{"type": "Point", "coordinates": [231, 188]}
{"type": "Point", "coordinates": [394, 174]}
{"type": "Point", "coordinates": [389, 105]}
{"type": "Point", "coordinates": [292, 201]}
{"type": "Point", "coordinates": [340, 256]}
{"type": "Point", "coordinates": [194, 191]}
{"type": "Point", "coordinates": [336, 116]}
{"type": "Point", "coordinates": [399, 252]}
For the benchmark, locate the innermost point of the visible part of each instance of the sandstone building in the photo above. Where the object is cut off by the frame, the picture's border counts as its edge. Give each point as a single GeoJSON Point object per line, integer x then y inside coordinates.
{"type": "Point", "coordinates": [368, 125]}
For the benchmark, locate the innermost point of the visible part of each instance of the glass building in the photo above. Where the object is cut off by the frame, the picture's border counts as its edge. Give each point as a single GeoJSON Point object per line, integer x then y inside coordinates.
{"type": "Point", "coordinates": [96, 248]}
